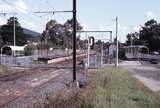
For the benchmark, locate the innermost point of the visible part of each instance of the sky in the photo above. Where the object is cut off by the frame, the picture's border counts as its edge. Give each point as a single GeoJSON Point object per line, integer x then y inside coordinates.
{"type": "Point", "coordinates": [92, 14]}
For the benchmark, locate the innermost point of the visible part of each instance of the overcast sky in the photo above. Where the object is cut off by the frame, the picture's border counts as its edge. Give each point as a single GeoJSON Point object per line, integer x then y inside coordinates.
{"type": "Point", "coordinates": [92, 14]}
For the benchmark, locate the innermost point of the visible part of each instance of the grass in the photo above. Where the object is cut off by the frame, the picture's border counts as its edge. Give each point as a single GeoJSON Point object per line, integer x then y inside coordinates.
{"type": "Point", "coordinates": [123, 91]}
{"type": "Point", "coordinates": [111, 88]}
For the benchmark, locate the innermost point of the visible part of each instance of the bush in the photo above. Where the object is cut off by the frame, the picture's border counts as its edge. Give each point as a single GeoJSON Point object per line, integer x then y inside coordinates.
{"type": "Point", "coordinates": [28, 50]}
{"type": "Point", "coordinates": [3, 69]}
{"type": "Point", "coordinates": [43, 46]}
{"type": "Point", "coordinates": [121, 54]}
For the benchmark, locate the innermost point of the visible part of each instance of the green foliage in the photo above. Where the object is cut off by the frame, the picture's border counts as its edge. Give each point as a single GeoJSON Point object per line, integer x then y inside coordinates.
{"type": "Point", "coordinates": [116, 88]}
{"type": "Point", "coordinates": [6, 33]}
{"type": "Point", "coordinates": [149, 35]}
{"type": "Point", "coordinates": [59, 34]}
{"type": "Point", "coordinates": [133, 38]}
{"type": "Point", "coordinates": [43, 45]}
{"type": "Point", "coordinates": [28, 50]}
{"type": "Point", "coordinates": [121, 54]}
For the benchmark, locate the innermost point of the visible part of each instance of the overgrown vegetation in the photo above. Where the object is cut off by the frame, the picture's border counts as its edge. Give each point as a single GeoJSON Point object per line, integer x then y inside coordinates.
{"type": "Point", "coordinates": [148, 35]}
{"type": "Point", "coordinates": [58, 34]}
{"type": "Point", "coordinates": [111, 88]}
{"type": "Point", "coordinates": [28, 50]}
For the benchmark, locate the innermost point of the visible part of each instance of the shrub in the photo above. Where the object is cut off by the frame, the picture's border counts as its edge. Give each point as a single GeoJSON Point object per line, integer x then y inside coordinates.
{"type": "Point", "coordinates": [3, 69]}
{"type": "Point", "coordinates": [121, 54]}
{"type": "Point", "coordinates": [28, 50]}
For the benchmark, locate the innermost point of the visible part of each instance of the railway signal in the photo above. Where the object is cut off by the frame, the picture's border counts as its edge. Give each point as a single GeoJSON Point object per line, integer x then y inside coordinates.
{"type": "Point", "coordinates": [90, 44]}
{"type": "Point", "coordinates": [91, 40]}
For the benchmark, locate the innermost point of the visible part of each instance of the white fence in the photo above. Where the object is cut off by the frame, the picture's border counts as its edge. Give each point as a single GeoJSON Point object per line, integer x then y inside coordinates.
{"type": "Point", "coordinates": [17, 61]}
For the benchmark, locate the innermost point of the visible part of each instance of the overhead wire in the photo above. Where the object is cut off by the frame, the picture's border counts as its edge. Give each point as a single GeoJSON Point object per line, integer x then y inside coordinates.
{"type": "Point", "coordinates": [14, 6]}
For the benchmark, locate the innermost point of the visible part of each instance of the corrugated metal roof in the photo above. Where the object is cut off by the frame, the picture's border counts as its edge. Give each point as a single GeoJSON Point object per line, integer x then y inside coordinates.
{"type": "Point", "coordinates": [135, 46]}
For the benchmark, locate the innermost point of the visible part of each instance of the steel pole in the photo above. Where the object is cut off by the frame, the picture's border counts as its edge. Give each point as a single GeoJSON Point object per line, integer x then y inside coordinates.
{"type": "Point", "coordinates": [74, 40]}
{"type": "Point", "coordinates": [111, 36]}
{"type": "Point", "coordinates": [14, 34]}
{"type": "Point", "coordinates": [88, 53]}
{"type": "Point", "coordinates": [102, 55]}
{"type": "Point", "coordinates": [116, 41]}
{"type": "Point", "coordinates": [131, 46]}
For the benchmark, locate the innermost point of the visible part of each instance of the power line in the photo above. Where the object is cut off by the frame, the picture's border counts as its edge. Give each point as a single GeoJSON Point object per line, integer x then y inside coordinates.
{"type": "Point", "coordinates": [5, 13]}
{"type": "Point", "coordinates": [44, 15]}
{"type": "Point", "coordinates": [95, 31]}
{"type": "Point", "coordinates": [5, 1]}
{"type": "Point", "coordinates": [52, 12]}
{"type": "Point", "coordinates": [14, 6]}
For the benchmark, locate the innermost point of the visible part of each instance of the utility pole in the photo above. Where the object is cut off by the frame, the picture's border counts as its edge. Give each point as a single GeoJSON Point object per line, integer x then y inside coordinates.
{"type": "Point", "coordinates": [131, 42]}
{"type": "Point", "coordinates": [74, 39]}
{"type": "Point", "coordinates": [111, 36]}
{"type": "Point", "coordinates": [131, 45]}
{"type": "Point", "coordinates": [74, 32]}
{"type": "Point", "coordinates": [89, 47]}
{"type": "Point", "coordinates": [116, 42]}
{"type": "Point", "coordinates": [14, 34]}
{"type": "Point", "coordinates": [102, 55]}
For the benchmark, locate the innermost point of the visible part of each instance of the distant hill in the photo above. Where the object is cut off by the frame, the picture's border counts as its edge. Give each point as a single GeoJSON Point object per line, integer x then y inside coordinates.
{"type": "Point", "coordinates": [31, 35]}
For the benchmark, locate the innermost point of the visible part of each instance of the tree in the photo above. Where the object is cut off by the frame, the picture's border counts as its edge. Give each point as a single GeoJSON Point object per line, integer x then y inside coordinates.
{"type": "Point", "coordinates": [68, 25]}
{"type": "Point", "coordinates": [133, 38]}
{"type": "Point", "coordinates": [7, 32]}
{"type": "Point", "coordinates": [59, 34]}
{"type": "Point", "coordinates": [149, 35]}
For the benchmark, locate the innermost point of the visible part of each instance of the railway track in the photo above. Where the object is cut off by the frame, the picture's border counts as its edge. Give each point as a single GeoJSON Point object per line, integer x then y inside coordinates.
{"type": "Point", "coordinates": [31, 72]}
{"type": "Point", "coordinates": [32, 69]}
{"type": "Point", "coordinates": [5, 105]}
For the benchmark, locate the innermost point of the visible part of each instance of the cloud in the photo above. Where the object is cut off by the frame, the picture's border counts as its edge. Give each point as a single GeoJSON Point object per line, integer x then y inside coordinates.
{"type": "Point", "coordinates": [21, 6]}
{"type": "Point", "coordinates": [122, 32]}
{"type": "Point", "coordinates": [136, 28]}
{"type": "Point", "coordinates": [28, 24]}
{"type": "Point", "coordinates": [2, 21]}
{"type": "Point", "coordinates": [151, 15]}
{"type": "Point", "coordinates": [101, 27]}
{"type": "Point", "coordinates": [18, 6]}
{"type": "Point", "coordinates": [6, 8]}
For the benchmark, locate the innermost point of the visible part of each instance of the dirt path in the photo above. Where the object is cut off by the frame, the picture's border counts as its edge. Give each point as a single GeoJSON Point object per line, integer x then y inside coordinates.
{"type": "Point", "coordinates": [149, 75]}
